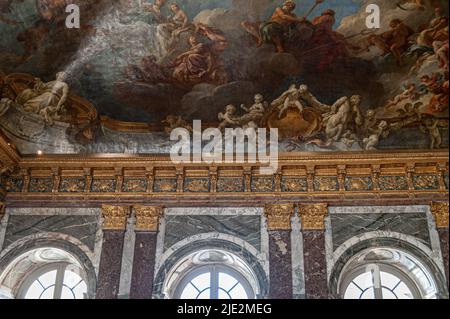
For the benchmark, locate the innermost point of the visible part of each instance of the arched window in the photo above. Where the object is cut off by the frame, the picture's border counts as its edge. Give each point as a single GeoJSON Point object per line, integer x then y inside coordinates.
{"type": "Point", "coordinates": [211, 274]}
{"type": "Point", "coordinates": [385, 273]}
{"type": "Point", "coordinates": [45, 273]}
{"type": "Point", "coordinates": [55, 281]}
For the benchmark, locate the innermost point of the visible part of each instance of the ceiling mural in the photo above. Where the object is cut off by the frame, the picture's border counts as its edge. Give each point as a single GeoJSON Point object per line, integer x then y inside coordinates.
{"type": "Point", "coordinates": [135, 69]}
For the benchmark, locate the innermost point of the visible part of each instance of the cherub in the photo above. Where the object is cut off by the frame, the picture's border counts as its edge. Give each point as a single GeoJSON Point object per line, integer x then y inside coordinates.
{"type": "Point", "coordinates": [228, 118]}
{"type": "Point", "coordinates": [172, 122]}
{"type": "Point", "coordinates": [409, 93]}
{"type": "Point", "coordinates": [431, 126]}
{"type": "Point", "coordinates": [256, 112]}
{"type": "Point", "coordinates": [289, 99]}
{"type": "Point", "coordinates": [373, 140]}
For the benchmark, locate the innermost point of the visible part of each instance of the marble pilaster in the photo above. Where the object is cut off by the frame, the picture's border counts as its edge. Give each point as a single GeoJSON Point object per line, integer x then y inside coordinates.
{"type": "Point", "coordinates": [114, 224]}
{"type": "Point", "coordinates": [440, 212]}
{"type": "Point", "coordinates": [315, 264]}
{"type": "Point", "coordinates": [280, 253]}
{"type": "Point", "coordinates": [147, 221]}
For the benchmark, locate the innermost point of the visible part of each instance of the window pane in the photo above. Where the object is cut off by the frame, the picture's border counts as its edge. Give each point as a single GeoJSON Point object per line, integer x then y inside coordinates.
{"type": "Point", "coordinates": [223, 295]}
{"type": "Point", "coordinates": [48, 278]}
{"type": "Point", "coordinates": [364, 281]}
{"type": "Point", "coordinates": [34, 291]}
{"type": "Point", "coordinates": [238, 292]}
{"type": "Point", "coordinates": [66, 293]}
{"type": "Point", "coordinates": [368, 294]}
{"type": "Point", "coordinates": [189, 292]}
{"type": "Point", "coordinates": [206, 294]}
{"type": "Point", "coordinates": [80, 290]}
{"type": "Point", "coordinates": [387, 294]}
{"type": "Point", "coordinates": [48, 294]}
{"type": "Point", "coordinates": [203, 281]}
{"type": "Point", "coordinates": [353, 292]}
{"type": "Point", "coordinates": [388, 280]}
{"type": "Point", "coordinates": [226, 282]}
{"type": "Point", "coordinates": [71, 279]}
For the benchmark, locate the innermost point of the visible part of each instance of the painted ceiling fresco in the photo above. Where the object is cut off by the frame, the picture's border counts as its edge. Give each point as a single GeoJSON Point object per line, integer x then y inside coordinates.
{"type": "Point", "coordinates": [135, 69]}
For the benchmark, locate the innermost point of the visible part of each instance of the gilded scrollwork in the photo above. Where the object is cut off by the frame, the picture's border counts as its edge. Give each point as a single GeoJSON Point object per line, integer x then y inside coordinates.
{"type": "Point", "coordinates": [326, 184]}
{"type": "Point", "coordinates": [197, 185]}
{"type": "Point", "coordinates": [115, 217]}
{"type": "Point", "coordinates": [262, 184]}
{"type": "Point", "coordinates": [426, 182]}
{"type": "Point", "coordinates": [440, 212]}
{"type": "Point", "coordinates": [279, 216]}
{"type": "Point", "coordinates": [147, 217]}
{"type": "Point", "coordinates": [313, 216]}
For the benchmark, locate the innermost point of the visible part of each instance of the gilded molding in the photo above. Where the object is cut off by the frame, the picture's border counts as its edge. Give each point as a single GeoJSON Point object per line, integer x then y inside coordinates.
{"type": "Point", "coordinates": [440, 212]}
{"type": "Point", "coordinates": [115, 217]}
{"type": "Point", "coordinates": [279, 216]}
{"type": "Point", "coordinates": [313, 216]}
{"type": "Point", "coordinates": [147, 218]}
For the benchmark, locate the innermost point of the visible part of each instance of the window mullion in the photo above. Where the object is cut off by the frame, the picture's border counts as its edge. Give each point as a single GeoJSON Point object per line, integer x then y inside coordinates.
{"type": "Point", "coordinates": [214, 294]}
{"type": "Point", "coordinates": [377, 283]}
{"type": "Point", "coordinates": [59, 281]}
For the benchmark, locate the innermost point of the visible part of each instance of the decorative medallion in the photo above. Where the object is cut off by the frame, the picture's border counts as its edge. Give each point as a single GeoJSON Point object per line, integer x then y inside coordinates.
{"type": "Point", "coordinates": [262, 184]}
{"type": "Point", "coordinates": [294, 185]}
{"type": "Point", "coordinates": [164, 185]}
{"type": "Point", "coordinates": [13, 184]}
{"type": "Point", "coordinates": [393, 183]}
{"type": "Point", "coordinates": [426, 182]}
{"type": "Point", "coordinates": [103, 185]}
{"type": "Point", "coordinates": [197, 185]}
{"type": "Point", "coordinates": [230, 185]}
{"type": "Point", "coordinates": [41, 185]}
{"type": "Point", "coordinates": [353, 184]}
{"type": "Point", "coordinates": [326, 184]}
{"type": "Point", "coordinates": [134, 185]}
{"type": "Point", "coordinates": [72, 185]}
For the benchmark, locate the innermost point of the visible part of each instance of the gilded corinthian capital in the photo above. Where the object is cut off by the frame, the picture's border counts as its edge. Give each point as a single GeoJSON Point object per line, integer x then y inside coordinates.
{"type": "Point", "coordinates": [313, 216]}
{"type": "Point", "coordinates": [279, 216]}
{"type": "Point", "coordinates": [440, 213]}
{"type": "Point", "coordinates": [147, 217]}
{"type": "Point", "coordinates": [115, 217]}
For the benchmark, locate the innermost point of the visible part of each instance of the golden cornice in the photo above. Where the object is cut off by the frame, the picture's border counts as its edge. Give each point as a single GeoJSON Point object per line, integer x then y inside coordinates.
{"type": "Point", "coordinates": [279, 216]}
{"type": "Point", "coordinates": [147, 218]}
{"type": "Point", "coordinates": [313, 216]}
{"type": "Point", "coordinates": [440, 211]}
{"type": "Point", "coordinates": [115, 217]}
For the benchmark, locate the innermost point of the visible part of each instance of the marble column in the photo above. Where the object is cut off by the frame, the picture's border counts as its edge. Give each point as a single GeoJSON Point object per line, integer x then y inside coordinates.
{"type": "Point", "coordinates": [114, 225]}
{"type": "Point", "coordinates": [147, 222]}
{"type": "Point", "coordinates": [315, 263]}
{"type": "Point", "coordinates": [280, 255]}
{"type": "Point", "coordinates": [440, 212]}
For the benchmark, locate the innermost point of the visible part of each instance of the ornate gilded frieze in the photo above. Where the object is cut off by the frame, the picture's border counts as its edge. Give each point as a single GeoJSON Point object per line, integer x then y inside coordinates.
{"type": "Point", "coordinates": [230, 185]}
{"type": "Point", "coordinates": [313, 216]}
{"type": "Point", "coordinates": [440, 212]}
{"type": "Point", "coordinates": [165, 185]}
{"type": "Point", "coordinates": [326, 184]}
{"type": "Point", "coordinates": [393, 183]}
{"type": "Point", "coordinates": [134, 185]}
{"type": "Point", "coordinates": [147, 217]}
{"type": "Point", "coordinates": [72, 185]}
{"type": "Point", "coordinates": [41, 185]}
{"type": "Point", "coordinates": [354, 184]}
{"type": "Point", "coordinates": [115, 217]}
{"type": "Point", "coordinates": [196, 185]}
{"type": "Point", "coordinates": [279, 216]}
{"type": "Point", "coordinates": [294, 185]}
{"type": "Point", "coordinates": [426, 182]}
{"type": "Point", "coordinates": [446, 180]}
{"type": "Point", "coordinates": [103, 185]}
{"type": "Point", "coordinates": [263, 184]}
{"type": "Point", "coordinates": [13, 184]}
